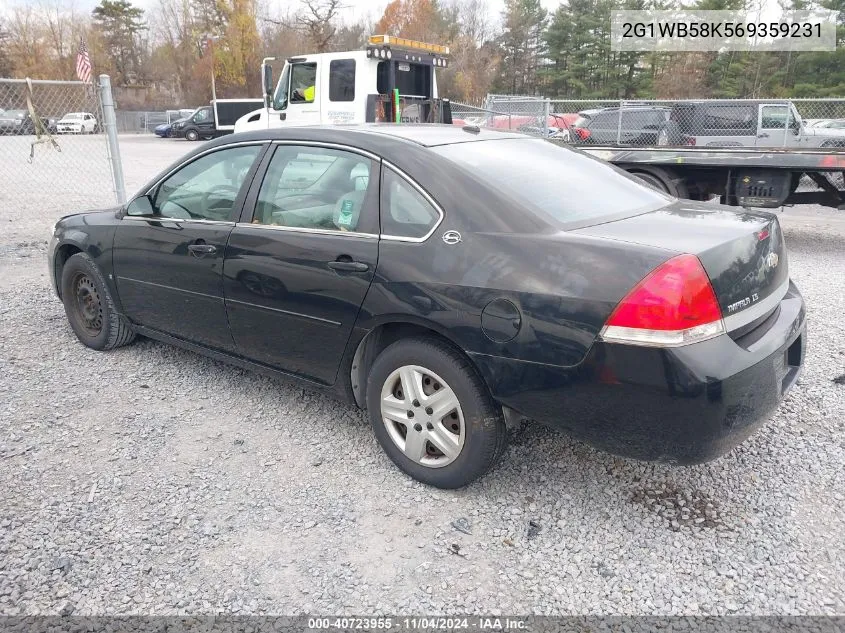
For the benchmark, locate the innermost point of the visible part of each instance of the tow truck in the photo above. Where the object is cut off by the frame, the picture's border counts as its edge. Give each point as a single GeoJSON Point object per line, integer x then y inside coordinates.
{"type": "Point", "coordinates": [392, 79]}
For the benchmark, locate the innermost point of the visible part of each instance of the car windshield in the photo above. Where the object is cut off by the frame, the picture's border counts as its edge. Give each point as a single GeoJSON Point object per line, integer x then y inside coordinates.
{"type": "Point", "coordinates": [73, 115]}
{"type": "Point", "coordinates": [565, 184]}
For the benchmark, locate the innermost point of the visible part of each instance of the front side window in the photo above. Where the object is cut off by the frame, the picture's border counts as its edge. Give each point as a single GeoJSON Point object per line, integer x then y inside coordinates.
{"type": "Point", "coordinates": [342, 80]}
{"type": "Point", "coordinates": [773, 117]}
{"type": "Point", "coordinates": [206, 188]}
{"type": "Point", "coordinates": [405, 211]}
{"type": "Point", "coordinates": [202, 115]}
{"type": "Point", "coordinates": [303, 80]}
{"type": "Point", "coordinates": [319, 188]}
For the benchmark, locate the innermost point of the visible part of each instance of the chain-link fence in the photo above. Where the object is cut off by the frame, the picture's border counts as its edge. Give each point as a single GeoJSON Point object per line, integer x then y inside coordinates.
{"type": "Point", "coordinates": [741, 123]}
{"type": "Point", "coordinates": [53, 145]}
{"type": "Point", "coordinates": [146, 122]}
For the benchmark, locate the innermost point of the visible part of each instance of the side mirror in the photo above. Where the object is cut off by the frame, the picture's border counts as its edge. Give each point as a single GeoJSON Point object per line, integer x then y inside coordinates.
{"type": "Point", "coordinates": [267, 82]}
{"type": "Point", "coordinates": [141, 206]}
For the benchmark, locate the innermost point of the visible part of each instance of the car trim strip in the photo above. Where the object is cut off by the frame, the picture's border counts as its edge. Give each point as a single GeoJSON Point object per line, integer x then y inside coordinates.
{"type": "Point", "coordinates": [302, 229]}
{"type": "Point", "coordinates": [150, 283]}
{"type": "Point", "coordinates": [156, 218]}
{"type": "Point", "coordinates": [426, 195]}
{"type": "Point", "coordinates": [340, 146]}
{"type": "Point", "coordinates": [755, 311]}
{"type": "Point", "coordinates": [288, 312]}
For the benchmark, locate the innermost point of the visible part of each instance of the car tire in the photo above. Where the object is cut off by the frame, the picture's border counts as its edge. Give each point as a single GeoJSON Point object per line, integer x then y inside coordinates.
{"type": "Point", "coordinates": [192, 135]}
{"type": "Point", "coordinates": [669, 134]}
{"type": "Point", "coordinates": [476, 436]}
{"type": "Point", "coordinates": [89, 306]}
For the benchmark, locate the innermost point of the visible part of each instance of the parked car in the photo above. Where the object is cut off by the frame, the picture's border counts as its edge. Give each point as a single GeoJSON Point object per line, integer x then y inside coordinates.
{"type": "Point", "coordinates": [78, 123]}
{"type": "Point", "coordinates": [214, 120]}
{"type": "Point", "coordinates": [449, 280]}
{"type": "Point", "coordinates": [15, 122]}
{"type": "Point", "coordinates": [743, 124]}
{"type": "Point", "coordinates": [176, 116]}
{"type": "Point", "coordinates": [834, 124]}
{"type": "Point", "coordinates": [639, 125]}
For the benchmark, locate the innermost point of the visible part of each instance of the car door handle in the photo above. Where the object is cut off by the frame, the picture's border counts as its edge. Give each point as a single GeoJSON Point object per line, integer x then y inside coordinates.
{"type": "Point", "coordinates": [201, 249]}
{"type": "Point", "coordinates": [354, 267]}
{"type": "Point", "coordinates": [763, 135]}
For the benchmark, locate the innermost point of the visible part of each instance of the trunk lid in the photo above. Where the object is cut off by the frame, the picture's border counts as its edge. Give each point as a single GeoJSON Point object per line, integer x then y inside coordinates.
{"type": "Point", "coordinates": [742, 251]}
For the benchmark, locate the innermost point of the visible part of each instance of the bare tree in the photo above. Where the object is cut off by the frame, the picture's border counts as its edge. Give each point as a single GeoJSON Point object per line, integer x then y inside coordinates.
{"type": "Point", "coordinates": [316, 21]}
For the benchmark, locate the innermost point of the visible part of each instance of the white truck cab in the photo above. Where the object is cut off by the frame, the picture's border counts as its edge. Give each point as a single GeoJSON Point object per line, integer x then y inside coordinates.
{"type": "Point", "coordinates": [392, 79]}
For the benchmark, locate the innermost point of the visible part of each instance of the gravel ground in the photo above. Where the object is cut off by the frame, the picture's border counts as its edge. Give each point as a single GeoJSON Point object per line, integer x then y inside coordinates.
{"type": "Point", "coordinates": [150, 480]}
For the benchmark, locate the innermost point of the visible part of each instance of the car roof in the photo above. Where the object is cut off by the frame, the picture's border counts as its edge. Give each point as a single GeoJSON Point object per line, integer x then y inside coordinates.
{"type": "Point", "coordinates": [382, 134]}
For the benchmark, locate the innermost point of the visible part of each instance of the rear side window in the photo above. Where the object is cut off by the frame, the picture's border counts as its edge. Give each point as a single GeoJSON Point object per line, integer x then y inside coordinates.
{"type": "Point", "coordinates": [342, 80]}
{"type": "Point", "coordinates": [559, 183]}
{"type": "Point", "coordinates": [730, 118]}
{"type": "Point", "coordinates": [405, 211]}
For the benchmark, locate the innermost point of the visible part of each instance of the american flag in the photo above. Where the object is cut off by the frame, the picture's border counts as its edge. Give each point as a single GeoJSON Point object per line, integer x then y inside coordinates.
{"type": "Point", "coordinates": [83, 62]}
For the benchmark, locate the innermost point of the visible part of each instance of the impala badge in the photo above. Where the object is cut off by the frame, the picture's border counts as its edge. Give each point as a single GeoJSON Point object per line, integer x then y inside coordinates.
{"type": "Point", "coordinates": [451, 237]}
{"type": "Point", "coordinates": [772, 260]}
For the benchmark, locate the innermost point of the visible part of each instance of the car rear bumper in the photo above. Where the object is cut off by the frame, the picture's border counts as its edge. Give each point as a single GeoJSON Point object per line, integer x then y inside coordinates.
{"type": "Point", "coordinates": [682, 405]}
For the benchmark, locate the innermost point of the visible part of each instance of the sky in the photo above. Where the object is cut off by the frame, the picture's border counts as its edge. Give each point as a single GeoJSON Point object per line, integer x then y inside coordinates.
{"type": "Point", "coordinates": [353, 10]}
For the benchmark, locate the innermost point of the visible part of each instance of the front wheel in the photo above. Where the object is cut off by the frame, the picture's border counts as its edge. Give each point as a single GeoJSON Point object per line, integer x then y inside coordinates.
{"type": "Point", "coordinates": [89, 306]}
{"type": "Point", "coordinates": [192, 135]}
{"type": "Point", "coordinates": [432, 413]}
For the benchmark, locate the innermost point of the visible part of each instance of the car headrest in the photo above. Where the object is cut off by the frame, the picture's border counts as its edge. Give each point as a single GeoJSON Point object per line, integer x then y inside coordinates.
{"type": "Point", "coordinates": [347, 211]}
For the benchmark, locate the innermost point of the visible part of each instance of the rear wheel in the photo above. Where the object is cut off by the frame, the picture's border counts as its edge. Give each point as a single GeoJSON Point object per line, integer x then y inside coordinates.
{"type": "Point", "coordinates": [89, 306]}
{"type": "Point", "coordinates": [432, 413]}
{"type": "Point", "coordinates": [192, 135]}
{"type": "Point", "coordinates": [664, 181]}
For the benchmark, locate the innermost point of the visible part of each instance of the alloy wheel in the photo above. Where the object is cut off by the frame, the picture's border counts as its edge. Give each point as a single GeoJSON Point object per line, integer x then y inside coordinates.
{"type": "Point", "coordinates": [423, 416]}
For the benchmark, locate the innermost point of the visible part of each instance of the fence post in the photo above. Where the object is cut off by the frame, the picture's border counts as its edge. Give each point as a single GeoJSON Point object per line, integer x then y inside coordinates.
{"type": "Point", "coordinates": [110, 127]}
{"type": "Point", "coordinates": [619, 124]}
{"type": "Point", "coordinates": [547, 110]}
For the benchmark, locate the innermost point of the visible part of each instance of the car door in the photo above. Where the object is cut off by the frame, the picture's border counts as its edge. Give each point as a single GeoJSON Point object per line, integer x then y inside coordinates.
{"type": "Point", "coordinates": [299, 265]}
{"type": "Point", "coordinates": [169, 246]}
{"type": "Point", "coordinates": [771, 125]}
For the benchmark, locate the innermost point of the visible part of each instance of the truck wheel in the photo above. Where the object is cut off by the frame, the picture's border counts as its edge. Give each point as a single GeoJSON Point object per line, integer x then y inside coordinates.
{"type": "Point", "coordinates": [192, 135]}
{"type": "Point", "coordinates": [669, 134]}
{"type": "Point", "coordinates": [664, 181]}
{"type": "Point", "coordinates": [432, 413]}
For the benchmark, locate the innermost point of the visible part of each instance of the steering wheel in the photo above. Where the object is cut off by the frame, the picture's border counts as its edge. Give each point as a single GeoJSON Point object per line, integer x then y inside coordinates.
{"type": "Point", "coordinates": [221, 209]}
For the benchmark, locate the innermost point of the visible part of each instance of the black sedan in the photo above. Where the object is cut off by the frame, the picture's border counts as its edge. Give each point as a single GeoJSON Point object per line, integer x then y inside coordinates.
{"type": "Point", "coordinates": [451, 281]}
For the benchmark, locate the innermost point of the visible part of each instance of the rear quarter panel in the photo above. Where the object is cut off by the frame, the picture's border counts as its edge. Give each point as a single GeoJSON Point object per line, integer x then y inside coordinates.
{"type": "Point", "coordinates": [563, 286]}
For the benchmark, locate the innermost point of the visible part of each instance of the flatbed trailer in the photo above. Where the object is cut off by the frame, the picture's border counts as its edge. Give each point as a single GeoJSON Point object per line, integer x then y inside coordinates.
{"type": "Point", "coordinates": [768, 177]}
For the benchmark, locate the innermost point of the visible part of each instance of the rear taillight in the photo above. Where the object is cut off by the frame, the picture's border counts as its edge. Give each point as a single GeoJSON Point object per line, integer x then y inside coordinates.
{"type": "Point", "coordinates": [583, 133]}
{"type": "Point", "coordinates": [674, 305]}
{"type": "Point", "coordinates": [689, 140]}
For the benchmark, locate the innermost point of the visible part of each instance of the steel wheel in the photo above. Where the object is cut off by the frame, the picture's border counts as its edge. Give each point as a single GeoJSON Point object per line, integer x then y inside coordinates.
{"type": "Point", "coordinates": [88, 309]}
{"type": "Point", "coordinates": [423, 416]}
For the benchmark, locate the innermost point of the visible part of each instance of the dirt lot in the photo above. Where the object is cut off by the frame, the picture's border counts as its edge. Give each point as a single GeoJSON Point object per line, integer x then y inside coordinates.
{"type": "Point", "coordinates": [152, 480]}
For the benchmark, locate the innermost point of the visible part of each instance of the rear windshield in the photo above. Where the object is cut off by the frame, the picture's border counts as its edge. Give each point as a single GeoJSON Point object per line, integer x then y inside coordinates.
{"type": "Point", "coordinates": [567, 185]}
